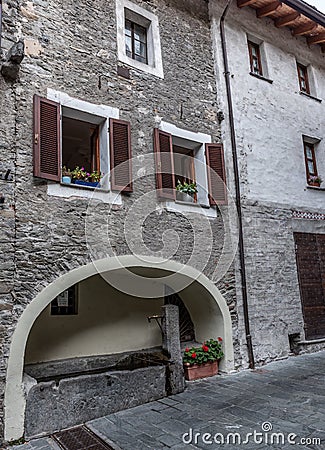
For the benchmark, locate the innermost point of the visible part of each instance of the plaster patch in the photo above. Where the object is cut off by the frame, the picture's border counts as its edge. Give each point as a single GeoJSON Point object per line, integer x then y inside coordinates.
{"type": "Point", "coordinates": [33, 48]}
{"type": "Point", "coordinates": [28, 11]}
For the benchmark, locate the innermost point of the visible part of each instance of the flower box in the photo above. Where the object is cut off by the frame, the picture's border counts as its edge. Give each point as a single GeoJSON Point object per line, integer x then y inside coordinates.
{"type": "Point", "coordinates": [197, 371]}
{"type": "Point", "coordinates": [86, 183]}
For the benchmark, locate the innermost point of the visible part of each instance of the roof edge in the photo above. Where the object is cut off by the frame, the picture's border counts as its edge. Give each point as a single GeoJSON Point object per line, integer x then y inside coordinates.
{"type": "Point", "coordinates": [307, 10]}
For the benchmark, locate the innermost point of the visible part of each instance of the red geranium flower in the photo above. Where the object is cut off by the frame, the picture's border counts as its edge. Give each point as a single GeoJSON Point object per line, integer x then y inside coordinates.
{"type": "Point", "coordinates": [219, 339]}
{"type": "Point", "coordinates": [187, 349]}
{"type": "Point", "coordinates": [193, 355]}
{"type": "Point", "coordinates": [205, 348]}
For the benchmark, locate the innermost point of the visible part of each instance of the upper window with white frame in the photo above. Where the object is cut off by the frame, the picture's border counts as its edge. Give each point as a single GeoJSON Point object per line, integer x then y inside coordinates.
{"type": "Point", "coordinates": [138, 39]}
{"type": "Point", "coordinates": [71, 135]}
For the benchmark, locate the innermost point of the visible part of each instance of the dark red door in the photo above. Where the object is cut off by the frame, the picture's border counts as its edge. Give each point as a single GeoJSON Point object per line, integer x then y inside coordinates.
{"type": "Point", "coordinates": [310, 253]}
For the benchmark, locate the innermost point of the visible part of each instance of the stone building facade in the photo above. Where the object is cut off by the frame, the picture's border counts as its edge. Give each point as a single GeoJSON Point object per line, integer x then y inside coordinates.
{"type": "Point", "coordinates": [74, 63]}
{"type": "Point", "coordinates": [58, 238]}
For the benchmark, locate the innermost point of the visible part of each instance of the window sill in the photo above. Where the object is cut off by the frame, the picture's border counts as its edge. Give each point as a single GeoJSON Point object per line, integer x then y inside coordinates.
{"type": "Point", "coordinates": [189, 207]}
{"type": "Point", "coordinates": [88, 188]}
{"type": "Point", "coordinates": [317, 188]}
{"type": "Point", "coordinates": [67, 191]}
{"type": "Point", "coordinates": [261, 77]}
{"type": "Point", "coordinates": [310, 96]}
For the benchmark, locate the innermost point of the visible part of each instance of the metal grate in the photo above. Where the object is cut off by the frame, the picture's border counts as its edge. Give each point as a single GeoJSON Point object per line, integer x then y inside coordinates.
{"type": "Point", "coordinates": [80, 438]}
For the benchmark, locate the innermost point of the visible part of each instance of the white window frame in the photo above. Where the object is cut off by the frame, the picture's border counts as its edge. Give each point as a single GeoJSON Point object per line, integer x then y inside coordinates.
{"type": "Point", "coordinates": [197, 141]}
{"type": "Point", "coordinates": [98, 114]}
{"type": "Point", "coordinates": [128, 10]}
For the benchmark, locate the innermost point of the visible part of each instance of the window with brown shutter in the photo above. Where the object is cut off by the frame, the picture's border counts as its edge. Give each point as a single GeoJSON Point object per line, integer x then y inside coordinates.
{"type": "Point", "coordinates": [76, 144]}
{"type": "Point", "coordinates": [165, 181]}
{"type": "Point", "coordinates": [120, 151]}
{"type": "Point", "coordinates": [216, 174]}
{"type": "Point", "coordinates": [47, 154]}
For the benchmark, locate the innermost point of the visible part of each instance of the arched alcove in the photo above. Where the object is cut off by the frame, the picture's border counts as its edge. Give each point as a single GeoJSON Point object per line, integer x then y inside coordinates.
{"type": "Point", "coordinates": [203, 300]}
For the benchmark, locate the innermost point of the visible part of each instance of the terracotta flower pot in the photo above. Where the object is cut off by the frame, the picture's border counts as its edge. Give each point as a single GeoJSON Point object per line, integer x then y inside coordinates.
{"type": "Point", "coordinates": [313, 183]}
{"type": "Point", "coordinates": [197, 371]}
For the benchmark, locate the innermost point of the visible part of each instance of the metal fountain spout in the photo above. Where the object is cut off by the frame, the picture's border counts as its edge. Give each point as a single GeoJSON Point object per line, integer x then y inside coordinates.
{"type": "Point", "coordinates": [156, 318]}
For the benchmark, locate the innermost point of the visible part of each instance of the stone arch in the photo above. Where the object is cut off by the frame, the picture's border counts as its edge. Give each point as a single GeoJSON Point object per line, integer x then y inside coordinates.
{"type": "Point", "coordinates": [211, 315]}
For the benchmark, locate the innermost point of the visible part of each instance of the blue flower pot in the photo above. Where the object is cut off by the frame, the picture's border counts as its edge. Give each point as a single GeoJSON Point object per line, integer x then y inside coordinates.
{"type": "Point", "coordinates": [86, 183]}
{"type": "Point", "coordinates": [66, 180]}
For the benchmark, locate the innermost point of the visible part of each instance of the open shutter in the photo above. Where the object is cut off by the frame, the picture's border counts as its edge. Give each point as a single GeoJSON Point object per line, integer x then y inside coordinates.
{"type": "Point", "coordinates": [120, 155]}
{"type": "Point", "coordinates": [165, 180]}
{"type": "Point", "coordinates": [216, 174]}
{"type": "Point", "coordinates": [47, 155]}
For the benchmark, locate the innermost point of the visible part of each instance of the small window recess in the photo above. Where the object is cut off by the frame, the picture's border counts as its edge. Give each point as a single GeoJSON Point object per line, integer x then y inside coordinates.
{"type": "Point", "coordinates": [257, 58]}
{"type": "Point", "coordinates": [311, 161]}
{"type": "Point", "coordinates": [307, 81]}
{"type": "Point", "coordinates": [66, 303]}
{"type": "Point", "coordinates": [138, 39]}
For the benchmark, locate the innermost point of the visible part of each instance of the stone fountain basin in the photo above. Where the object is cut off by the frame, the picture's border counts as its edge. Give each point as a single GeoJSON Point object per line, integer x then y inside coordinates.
{"type": "Point", "coordinates": [64, 393]}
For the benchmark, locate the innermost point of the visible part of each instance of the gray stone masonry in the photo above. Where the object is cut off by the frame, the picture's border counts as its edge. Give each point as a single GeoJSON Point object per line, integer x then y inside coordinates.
{"type": "Point", "coordinates": [288, 394]}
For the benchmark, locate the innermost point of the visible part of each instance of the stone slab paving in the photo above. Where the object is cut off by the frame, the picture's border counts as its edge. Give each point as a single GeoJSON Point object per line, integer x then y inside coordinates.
{"type": "Point", "coordinates": [287, 396]}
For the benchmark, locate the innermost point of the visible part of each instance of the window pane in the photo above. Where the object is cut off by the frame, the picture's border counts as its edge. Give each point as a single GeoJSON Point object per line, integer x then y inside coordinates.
{"type": "Point", "coordinates": [140, 33]}
{"type": "Point", "coordinates": [140, 49]}
{"type": "Point", "coordinates": [140, 58]}
{"type": "Point", "coordinates": [309, 153]}
{"type": "Point", "coordinates": [128, 46]}
{"type": "Point", "coordinates": [311, 169]}
{"type": "Point", "coordinates": [128, 27]}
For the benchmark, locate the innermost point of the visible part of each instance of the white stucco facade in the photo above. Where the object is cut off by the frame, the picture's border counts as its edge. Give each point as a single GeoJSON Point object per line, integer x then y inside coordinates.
{"type": "Point", "coordinates": [272, 118]}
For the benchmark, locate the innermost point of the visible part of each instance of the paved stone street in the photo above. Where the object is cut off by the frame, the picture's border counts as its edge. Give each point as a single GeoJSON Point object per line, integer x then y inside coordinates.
{"type": "Point", "coordinates": [287, 395]}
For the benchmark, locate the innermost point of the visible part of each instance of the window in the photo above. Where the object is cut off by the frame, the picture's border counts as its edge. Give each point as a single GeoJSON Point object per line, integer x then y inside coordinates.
{"type": "Point", "coordinates": [255, 58]}
{"type": "Point", "coordinates": [84, 128]}
{"type": "Point", "coordinates": [303, 78]}
{"type": "Point", "coordinates": [187, 156]}
{"type": "Point", "coordinates": [65, 303]}
{"type": "Point", "coordinates": [310, 161]}
{"type": "Point", "coordinates": [138, 40]}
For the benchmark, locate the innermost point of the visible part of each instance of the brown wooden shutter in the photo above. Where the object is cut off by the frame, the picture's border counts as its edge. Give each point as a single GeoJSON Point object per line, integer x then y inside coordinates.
{"type": "Point", "coordinates": [165, 180]}
{"type": "Point", "coordinates": [47, 154]}
{"type": "Point", "coordinates": [310, 254]}
{"type": "Point", "coordinates": [216, 174]}
{"type": "Point", "coordinates": [120, 155]}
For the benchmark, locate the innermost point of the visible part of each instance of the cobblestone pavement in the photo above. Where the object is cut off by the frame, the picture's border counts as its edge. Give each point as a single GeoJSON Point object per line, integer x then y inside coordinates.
{"type": "Point", "coordinates": [287, 396]}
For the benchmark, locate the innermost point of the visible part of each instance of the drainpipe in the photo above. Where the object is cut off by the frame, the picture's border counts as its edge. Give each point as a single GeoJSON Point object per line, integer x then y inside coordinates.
{"type": "Point", "coordinates": [237, 186]}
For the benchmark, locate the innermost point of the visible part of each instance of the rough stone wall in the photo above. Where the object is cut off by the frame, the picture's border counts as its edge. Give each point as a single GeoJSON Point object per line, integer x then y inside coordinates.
{"type": "Point", "coordinates": [68, 46]}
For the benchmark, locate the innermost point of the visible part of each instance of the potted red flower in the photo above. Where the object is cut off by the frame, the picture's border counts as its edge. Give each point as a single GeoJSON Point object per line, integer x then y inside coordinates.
{"type": "Point", "coordinates": [202, 362]}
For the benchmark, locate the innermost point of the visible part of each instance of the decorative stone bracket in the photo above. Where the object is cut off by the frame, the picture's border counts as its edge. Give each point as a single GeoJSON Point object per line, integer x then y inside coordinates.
{"type": "Point", "coordinates": [10, 68]}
